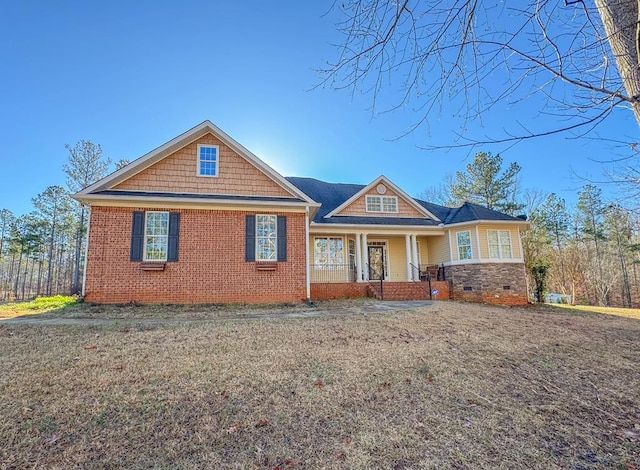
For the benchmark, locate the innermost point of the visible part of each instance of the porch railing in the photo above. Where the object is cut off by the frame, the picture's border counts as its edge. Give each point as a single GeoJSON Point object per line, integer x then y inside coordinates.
{"type": "Point", "coordinates": [434, 271]}
{"type": "Point", "coordinates": [332, 273]}
{"type": "Point", "coordinates": [422, 277]}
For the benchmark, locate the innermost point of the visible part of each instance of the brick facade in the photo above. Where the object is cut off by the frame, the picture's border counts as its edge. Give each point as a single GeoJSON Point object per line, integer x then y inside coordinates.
{"type": "Point", "coordinates": [211, 266]}
{"type": "Point", "coordinates": [494, 283]}
{"type": "Point", "coordinates": [343, 290]}
{"type": "Point", "coordinates": [392, 290]}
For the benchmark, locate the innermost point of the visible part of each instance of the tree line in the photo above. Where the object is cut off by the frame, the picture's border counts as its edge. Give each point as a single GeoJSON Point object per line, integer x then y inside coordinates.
{"type": "Point", "coordinates": [589, 251]}
{"type": "Point", "coordinates": [42, 252]}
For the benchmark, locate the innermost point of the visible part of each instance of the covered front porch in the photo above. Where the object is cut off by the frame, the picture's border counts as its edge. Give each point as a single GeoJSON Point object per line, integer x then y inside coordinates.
{"type": "Point", "coordinates": [402, 265]}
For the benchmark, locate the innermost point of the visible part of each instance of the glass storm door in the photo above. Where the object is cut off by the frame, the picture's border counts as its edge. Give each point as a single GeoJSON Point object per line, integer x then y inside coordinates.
{"type": "Point", "coordinates": [376, 263]}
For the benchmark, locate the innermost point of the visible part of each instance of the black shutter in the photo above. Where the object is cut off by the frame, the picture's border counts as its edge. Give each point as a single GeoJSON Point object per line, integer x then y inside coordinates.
{"type": "Point", "coordinates": [282, 238]}
{"type": "Point", "coordinates": [250, 238]}
{"type": "Point", "coordinates": [174, 236]}
{"type": "Point", "coordinates": [137, 232]}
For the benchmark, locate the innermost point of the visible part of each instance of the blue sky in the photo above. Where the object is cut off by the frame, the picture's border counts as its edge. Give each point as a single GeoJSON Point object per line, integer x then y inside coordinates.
{"type": "Point", "coordinates": [132, 75]}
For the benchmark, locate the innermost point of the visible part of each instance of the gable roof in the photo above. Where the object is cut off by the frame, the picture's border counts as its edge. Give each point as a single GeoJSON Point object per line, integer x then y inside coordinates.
{"type": "Point", "coordinates": [205, 127]}
{"type": "Point", "coordinates": [384, 180]}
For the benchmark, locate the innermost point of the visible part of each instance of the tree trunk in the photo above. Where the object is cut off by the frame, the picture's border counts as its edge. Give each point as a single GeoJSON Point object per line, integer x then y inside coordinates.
{"type": "Point", "coordinates": [621, 23]}
{"type": "Point", "coordinates": [51, 243]}
{"type": "Point", "coordinates": [76, 273]}
{"type": "Point", "coordinates": [17, 283]}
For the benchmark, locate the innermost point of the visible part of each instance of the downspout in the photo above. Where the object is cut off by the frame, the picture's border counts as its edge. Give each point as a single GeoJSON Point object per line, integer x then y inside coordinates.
{"type": "Point", "coordinates": [86, 253]}
{"type": "Point", "coordinates": [306, 249]}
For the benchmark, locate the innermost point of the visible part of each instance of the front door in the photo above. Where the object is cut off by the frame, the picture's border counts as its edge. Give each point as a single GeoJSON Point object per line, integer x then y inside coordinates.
{"type": "Point", "coordinates": [376, 263]}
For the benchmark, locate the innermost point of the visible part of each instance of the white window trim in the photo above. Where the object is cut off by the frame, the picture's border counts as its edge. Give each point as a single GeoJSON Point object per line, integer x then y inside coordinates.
{"type": "Point", "coordinates": [328, 237]}
{"type": "Point", "coordinates": [217, 147]}
{"type": "Point", "coordinates": [144, 245]}
{"type": "Point", "coordinates": [458, 245]}
{"type": "Point", "coordinates": [381, 211]}
{"type": "Point", "coordinates": [276, 237]}
{"type": "Point", "coordinates": [500, 255]}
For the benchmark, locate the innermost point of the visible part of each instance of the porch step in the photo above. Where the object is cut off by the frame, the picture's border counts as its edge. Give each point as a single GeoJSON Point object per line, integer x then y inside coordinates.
{"type": "Point", "coordinates": [373, 292]}
{"type": "Point", "coordinates": [400, 291]}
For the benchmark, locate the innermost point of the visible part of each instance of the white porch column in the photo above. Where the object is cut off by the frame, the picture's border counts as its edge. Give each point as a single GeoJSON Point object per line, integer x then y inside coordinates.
{"type": "Point", "coordinates": [358, 258]}
{"type": "Point", "coordinates": [407, 243]}
{"type": "Point", "coordinates": [365, 261]}
{"type": "Point", "coordinates": [414, 257]}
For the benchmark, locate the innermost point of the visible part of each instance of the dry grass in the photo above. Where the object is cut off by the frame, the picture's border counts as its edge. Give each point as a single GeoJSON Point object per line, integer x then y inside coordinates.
{"type": "Point", "coordinates": [449, 386]}
{"type": "Point", "coordinates": [617, 311]}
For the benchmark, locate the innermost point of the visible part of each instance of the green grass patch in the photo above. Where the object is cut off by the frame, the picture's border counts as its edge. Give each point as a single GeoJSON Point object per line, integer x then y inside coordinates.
{"type": "Point", "coordinates": [38, 305]}
{"type": "Point", "coordinates": [617, 311]}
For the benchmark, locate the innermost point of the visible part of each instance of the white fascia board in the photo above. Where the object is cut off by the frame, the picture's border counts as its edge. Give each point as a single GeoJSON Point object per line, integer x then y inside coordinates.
{"type": "Point", "coordinates": [383, 179]}
{"type": "Point", "coordinates": [471, 223]}
{"type": "Point", "coordinates": [106, 199]}
{"type": "Point", "coordinates": [325, 228]}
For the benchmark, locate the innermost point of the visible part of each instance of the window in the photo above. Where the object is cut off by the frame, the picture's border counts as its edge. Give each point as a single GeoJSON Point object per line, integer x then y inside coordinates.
{"type": "Point", "coordinates": [464, 245]}
{"type": "Point", "coordinates": [499, 242]}
{"type": "Point", "coordinates": [328, 251]}
{"type": "Point", "coordinates": [156, 236]}
{"type": "Point", "coordinates": [388, 204]}
{"type": "Point", "coordinates": [208, 160]}
{"type": "Point", "coordinates": [352, 253]}
{"type": "Point", "coordinates": [266, 238]}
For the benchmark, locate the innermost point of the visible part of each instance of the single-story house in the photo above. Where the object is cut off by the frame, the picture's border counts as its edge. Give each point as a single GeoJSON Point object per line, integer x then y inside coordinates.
{"type": "Point", "coordinates": [201, 219]}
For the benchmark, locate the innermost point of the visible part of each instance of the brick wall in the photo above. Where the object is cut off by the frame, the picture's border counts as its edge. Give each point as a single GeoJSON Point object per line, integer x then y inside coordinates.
{"type": "Point", "coordinates": [211, 266]}
{"type": "Point", "coordinates": [330, 291]}
{"type": "Point", "coordinates": [393, 290]}
{"type": "Point", "coordinates": [494, 283]}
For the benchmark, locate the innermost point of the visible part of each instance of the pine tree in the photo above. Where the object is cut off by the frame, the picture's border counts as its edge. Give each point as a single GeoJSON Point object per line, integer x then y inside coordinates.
{"type": "Point", "coordinates": [86, 166]}
{"type": "Point", "coordinates": [485, 183]}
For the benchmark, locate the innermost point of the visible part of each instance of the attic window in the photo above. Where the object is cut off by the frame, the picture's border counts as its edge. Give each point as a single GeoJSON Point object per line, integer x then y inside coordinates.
{"type": "Point", "coordinates": [387, 204]}
{"type": "Point", "coordinates": [208, 160]}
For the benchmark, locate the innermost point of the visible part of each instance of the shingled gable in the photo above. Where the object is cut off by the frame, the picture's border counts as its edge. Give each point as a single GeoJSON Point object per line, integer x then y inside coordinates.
{"type": "Point", "coordinates": [107, 188]}
{"type": "Point", "coordinates": [421, 210]}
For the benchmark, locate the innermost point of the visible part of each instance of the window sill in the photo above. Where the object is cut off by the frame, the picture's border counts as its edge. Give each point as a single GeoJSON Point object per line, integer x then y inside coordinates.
{"type": "Point", "coordinates": [152, 266]}
{"type": "Point", "coordinates": [266, 266]}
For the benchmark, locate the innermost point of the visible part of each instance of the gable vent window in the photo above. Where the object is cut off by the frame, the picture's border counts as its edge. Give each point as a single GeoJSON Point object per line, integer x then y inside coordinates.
{"type": "Point", "coordinates": [385, 204]}
{"type": "Point", "coordinates": [208, 160]}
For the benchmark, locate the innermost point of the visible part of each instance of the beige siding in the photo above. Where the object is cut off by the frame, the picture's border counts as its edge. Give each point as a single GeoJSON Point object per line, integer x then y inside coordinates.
{"type": "Point", "coordinates": [423, 250]}
{"type": "Point", "coordinates": [177, 173]}
{"type": "Point", "coordinates": [438, 250]}
{"type": "Point", "coordinates": [513, 232]}
{"type": "Point", "coordinates": [397, 253]}
{"type": "Point", "coordinates": [358, 207]}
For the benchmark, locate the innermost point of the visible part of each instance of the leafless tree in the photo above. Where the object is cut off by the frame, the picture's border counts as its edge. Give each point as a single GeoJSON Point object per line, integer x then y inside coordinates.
{"type": "Point", "coordinates": [581, 56]}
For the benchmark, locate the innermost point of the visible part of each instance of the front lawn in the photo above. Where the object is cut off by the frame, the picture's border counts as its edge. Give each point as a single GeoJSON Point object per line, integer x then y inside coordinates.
{"type": "Point", "coordinates": [37, 306]}
{"type": "Point", "coordinates": [448, 386]}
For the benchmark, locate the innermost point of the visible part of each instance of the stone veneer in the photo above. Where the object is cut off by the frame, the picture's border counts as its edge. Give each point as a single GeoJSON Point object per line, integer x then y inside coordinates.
{"type": "Point", "coordinates": [494, 283]}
